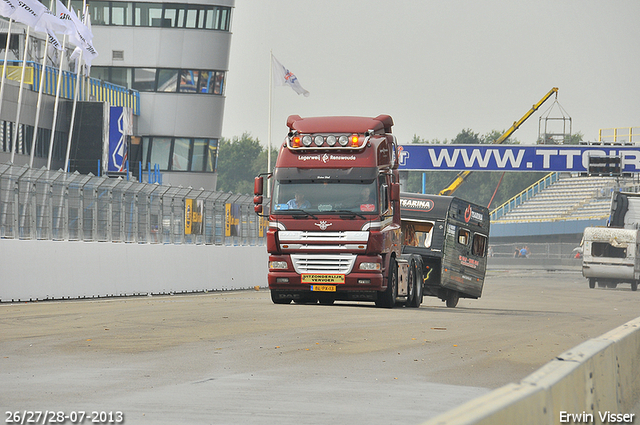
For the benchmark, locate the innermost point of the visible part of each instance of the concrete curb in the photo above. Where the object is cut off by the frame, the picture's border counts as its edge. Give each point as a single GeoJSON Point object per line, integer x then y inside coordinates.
{"type": "Point", "coordinates": [598, 376]}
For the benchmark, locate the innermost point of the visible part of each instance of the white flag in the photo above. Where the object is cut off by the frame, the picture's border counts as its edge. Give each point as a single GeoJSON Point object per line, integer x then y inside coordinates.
{"type": "Point", "coordinates": [7, 7]}
{"type": "Point", "coordinates": [74, 27]}
{"type": "Point", "coordinates": [28, 12]}
{"type": "Point", "coordinates": [282, 76]}
{"type": "Point", "coordinates": [36, 15]}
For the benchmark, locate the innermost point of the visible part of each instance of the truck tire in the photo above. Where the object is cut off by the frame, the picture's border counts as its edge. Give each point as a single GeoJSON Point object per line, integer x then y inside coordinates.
{"type": "Point", "coordinates": [411, 285]}
{"type": "Point", "coordinates": [592, 283]}
{"type": "Point", "coordinates": [452, 299]}
{"type": "Point", "coordinates": [634, 285]}
{"type": "Point", "coordinates": [416, 266]}
{"type": "Point", "coordinates": [387, 298]}
{"type": "Point", "coordinates": [278, 299]}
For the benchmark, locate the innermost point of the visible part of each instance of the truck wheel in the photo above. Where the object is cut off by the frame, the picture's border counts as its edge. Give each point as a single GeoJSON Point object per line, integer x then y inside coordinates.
{"type": "Point", "coordinates": [592, 283]}
{"type": "Point", "coordinates": [387, 299]}
{"type": "Point", "coordinates": [452, 299]}
{"type": "Point", "coordinates": [276, 297]}
{"type": "Point", "coordinates": [634, 285]}
{"type": "Point", "coordinates": [418, 281]}
{"type": "Point", "coordinates": [411, 285]}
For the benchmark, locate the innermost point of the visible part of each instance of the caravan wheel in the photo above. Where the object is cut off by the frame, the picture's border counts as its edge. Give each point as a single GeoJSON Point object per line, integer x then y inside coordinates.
{"type": "Point", "coordinates": [418, 281]}
{"type": "Point", "coordinates": [452, 299]}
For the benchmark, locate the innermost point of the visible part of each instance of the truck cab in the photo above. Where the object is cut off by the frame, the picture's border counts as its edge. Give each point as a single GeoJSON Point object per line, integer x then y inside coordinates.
{"type": "Point", "coordinates": [334, 215]}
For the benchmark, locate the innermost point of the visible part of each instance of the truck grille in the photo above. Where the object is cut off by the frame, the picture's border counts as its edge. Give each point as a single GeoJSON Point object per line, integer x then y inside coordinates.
{"type": "Point", "coordinates": [309, 263]}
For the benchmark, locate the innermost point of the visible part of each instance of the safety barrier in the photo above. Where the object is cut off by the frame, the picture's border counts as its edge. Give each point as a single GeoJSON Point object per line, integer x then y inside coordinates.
{"type": "Point", "coordinates": [525, 195]}
{"type": "Point", "coordinates": [95, 89]}
{"type": "Point", "coordinates": [598, 377]}
{"type": "Point", "coordinates": [619, 135]}
{"type": "Point", "coordinates": [37, 204]}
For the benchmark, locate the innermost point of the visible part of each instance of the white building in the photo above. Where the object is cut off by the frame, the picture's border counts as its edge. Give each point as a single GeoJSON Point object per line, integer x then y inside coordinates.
{"type": "Point", "coordinates": [176, 54]}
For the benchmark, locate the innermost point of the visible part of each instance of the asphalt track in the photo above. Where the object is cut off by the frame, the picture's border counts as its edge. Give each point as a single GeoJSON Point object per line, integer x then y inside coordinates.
{"type": "Point", "coordinates": [236, 358]}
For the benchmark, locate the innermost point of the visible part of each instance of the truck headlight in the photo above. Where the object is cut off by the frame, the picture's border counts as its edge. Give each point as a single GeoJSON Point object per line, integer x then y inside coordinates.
{"type": "Point", "coordinates": [369, 266]}
{"type": "Point", "coordinates": [279, 265]}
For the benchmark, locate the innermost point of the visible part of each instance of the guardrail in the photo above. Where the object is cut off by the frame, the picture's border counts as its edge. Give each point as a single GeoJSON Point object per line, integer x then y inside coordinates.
{"type": "Point", "coordinates": [619, 135]}
{"type": "Point", "coordinates": [525, 195]}
{"type": "Point", "coordinates": [39, 204]}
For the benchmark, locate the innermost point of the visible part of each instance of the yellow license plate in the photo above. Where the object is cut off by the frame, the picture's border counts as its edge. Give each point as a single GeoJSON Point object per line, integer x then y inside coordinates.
{"type": "Point", "coordinates": [322, 278]}
{"type": "Point", "coordinates": [323, 288]}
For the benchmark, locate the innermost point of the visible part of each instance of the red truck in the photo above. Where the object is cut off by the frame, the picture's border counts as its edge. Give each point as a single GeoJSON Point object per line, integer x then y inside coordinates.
{"type": "Point", "coordinates": [334, 217]}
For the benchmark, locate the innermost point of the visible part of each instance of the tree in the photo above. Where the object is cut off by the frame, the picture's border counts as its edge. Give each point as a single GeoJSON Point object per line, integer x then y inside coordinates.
{"type": "Point", "coordinates": [467, 137]}
{"type": "Point", "coordinates": [240, 160]}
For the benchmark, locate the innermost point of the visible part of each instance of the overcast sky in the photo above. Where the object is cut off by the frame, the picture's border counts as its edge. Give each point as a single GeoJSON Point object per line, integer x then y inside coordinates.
{"type": "Point", "coordinates": [437, 67]}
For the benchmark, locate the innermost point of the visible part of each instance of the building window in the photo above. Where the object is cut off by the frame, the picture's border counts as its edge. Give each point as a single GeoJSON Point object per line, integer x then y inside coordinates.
{"type": "Point", "coordinates": [159, 152]}
{"type": "Point", "coordinates": [166, 15]}
{"type": "Point", "coordinates": [167, 80]}
{"type": "Point", "coordinates": [188, 81]}
{"type": "Point", "coordinates": [180, 158]}
{"type": "Point", "coordinates": [144, 79]}
{"type": "Point", "coordinates": [163, 80]}
{"type": "Point", "coordinates": [180, 154]}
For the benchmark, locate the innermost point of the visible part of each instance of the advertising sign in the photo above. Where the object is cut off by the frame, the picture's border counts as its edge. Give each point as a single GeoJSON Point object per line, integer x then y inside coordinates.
{"type": "Point", "coordinates": [570, 158]}
{"type": "Point", "coordinates": [193, 212]}
{"type": "Point", "coordinates": [120, 127]}
{"type": "Point", "coordinates": [232, 220]}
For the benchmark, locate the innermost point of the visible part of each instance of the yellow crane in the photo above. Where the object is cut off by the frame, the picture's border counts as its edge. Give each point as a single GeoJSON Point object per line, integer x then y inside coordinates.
{"type": "Point", "coordinates": [461, 177]}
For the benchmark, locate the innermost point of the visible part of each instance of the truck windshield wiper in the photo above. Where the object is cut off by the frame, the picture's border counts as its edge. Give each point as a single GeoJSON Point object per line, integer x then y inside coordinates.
{"type": "Point", "coordinates": [299, 213]}
{"type": "Point", "coordinates": [352, 214]}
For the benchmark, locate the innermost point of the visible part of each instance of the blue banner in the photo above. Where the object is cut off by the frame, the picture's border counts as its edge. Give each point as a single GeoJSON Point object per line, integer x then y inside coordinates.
{"type": "Point", "coordinates": [119, 123]}
{"type": "Point", "coordinates": [572, 158]}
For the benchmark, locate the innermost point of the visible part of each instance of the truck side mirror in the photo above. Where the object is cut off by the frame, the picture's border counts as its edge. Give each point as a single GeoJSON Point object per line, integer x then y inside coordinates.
{"type": "Point", "coordinates": [258, 183]}
{"type": "Point", "coordinates": [395, 192]}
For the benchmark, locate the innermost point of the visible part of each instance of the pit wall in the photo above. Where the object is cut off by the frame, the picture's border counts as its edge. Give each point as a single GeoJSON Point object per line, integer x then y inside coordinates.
{"type": "Point", "coordinates": [39, 270]}
{"type": "Point", "coordinates": [598, 376]}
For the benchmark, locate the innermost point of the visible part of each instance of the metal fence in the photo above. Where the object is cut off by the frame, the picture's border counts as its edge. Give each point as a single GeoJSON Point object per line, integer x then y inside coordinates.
{"type": "Point", "coordinates": [54, 205]}
{"type": "Point", "coordinates": [554, 251]}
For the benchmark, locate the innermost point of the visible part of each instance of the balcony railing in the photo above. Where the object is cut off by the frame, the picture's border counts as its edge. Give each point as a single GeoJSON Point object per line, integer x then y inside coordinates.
{"type": "Point", "coordinates": [93, 89]}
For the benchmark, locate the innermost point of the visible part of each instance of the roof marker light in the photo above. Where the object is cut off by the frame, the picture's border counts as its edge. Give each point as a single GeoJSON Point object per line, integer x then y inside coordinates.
{"type": "Point", "coordinates": [331, 140]}
{"type": "Point", "coordinates": [343, 140]}
{"type": "Point", "coordinates": [318, 140]}
{"type": "Point", "coordinates": [306, 140]}
{"type": "Point", "coordinates": [354, 140]}
{"type": "Point", "coordinates": [295, 142]}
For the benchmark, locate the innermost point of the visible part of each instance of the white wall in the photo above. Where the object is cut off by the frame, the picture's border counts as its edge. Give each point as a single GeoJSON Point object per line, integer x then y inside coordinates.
{"type": "Point", "coordinates": [38, 270]}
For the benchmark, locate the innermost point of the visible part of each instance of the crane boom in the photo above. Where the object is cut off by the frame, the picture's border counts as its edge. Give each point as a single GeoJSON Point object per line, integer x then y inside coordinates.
{"type": "Point", "coordinates": [462, 176]}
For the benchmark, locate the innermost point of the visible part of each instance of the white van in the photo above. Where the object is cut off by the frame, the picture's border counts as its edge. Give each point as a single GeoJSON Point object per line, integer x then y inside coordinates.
{"type": "Point", "coordinates": [610, 256]}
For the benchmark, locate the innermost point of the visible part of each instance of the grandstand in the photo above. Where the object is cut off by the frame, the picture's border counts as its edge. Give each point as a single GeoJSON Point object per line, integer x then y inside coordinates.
{"type": "Point", "coordinates": [557, 208]}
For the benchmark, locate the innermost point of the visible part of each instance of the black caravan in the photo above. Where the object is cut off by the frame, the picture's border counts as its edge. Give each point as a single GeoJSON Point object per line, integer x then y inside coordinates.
{"type": "Point", "coordinates": [451, 235]}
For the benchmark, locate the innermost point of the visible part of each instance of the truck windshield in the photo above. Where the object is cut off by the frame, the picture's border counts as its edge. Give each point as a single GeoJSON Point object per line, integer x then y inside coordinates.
{"type": "Point", "coordinates": [325, 197]}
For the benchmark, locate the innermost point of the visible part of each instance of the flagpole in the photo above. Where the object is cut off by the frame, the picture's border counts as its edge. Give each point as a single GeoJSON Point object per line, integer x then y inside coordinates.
{"type": "Point", "coordinates": [56, 103]}
{"type": "Point", "coordinates": [73, 112]}
{"type": "Point", "coordinates": [24, 65]}
{"type": "Point", "coordinates": [39, 103]}
{"type": "Point", "coordinates": [4, 65]}
{"type": "Point", "coordinates": [269, 126]}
